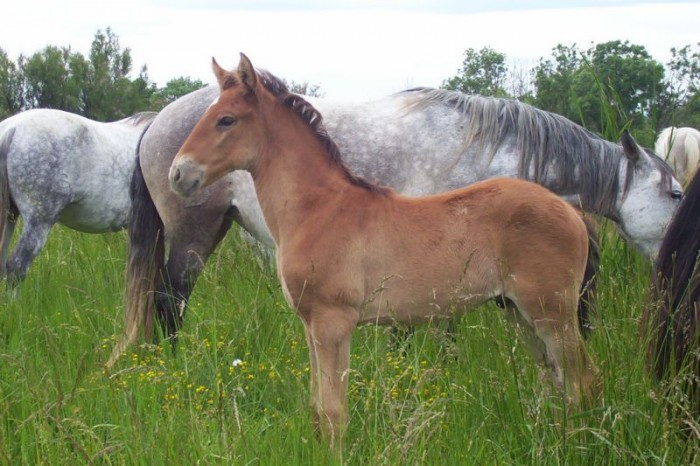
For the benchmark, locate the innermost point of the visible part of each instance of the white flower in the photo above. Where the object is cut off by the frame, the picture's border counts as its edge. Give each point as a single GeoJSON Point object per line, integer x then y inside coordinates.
{"type": "Point", "coordinates": [236, 362]}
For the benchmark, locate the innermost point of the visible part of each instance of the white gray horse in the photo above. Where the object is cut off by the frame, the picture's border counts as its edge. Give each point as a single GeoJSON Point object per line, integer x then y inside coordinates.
{"type": "Point", "coordinates": [680, 147]}
{"type": "Point", "coordinates": [59, 167]}
{"type": "Point", "coordinates": [419, 141]}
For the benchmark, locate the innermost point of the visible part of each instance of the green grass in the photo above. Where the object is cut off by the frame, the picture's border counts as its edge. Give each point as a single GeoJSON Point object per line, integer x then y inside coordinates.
{"type": "Point", "coordinates": [477, 400]}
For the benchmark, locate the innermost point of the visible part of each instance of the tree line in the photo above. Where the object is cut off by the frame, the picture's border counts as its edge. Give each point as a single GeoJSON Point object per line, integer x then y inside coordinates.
{"type": "Point", "coordinates": [98, 86]}
{"type": "Point", "coordinates": [605, 87]}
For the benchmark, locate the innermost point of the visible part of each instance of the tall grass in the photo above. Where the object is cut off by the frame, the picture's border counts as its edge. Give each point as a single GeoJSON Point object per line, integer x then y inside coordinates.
{"type": "Point", "coordinates": [235, 391]}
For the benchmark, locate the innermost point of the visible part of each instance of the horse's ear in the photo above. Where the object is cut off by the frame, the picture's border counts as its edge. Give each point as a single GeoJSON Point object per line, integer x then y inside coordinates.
{"type": "Point", "coordinates": [630, 147]}
{"type": "Point", "coordinates": [225, 78]}
{"type": "Point", "coordinates": [247, 74]}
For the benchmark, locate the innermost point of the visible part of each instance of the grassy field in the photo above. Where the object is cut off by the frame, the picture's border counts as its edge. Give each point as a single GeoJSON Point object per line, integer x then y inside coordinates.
{"type": "Point", "coordinates": [236, 389]}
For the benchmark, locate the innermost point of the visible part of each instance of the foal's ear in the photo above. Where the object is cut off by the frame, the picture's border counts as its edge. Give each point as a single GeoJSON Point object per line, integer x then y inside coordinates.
{"type": "Point", "coordinates": [225, 78]}
{"type": "Point", "coordinates": [247, 74]}
{"type": "Point", "coordinates": [630, 147]}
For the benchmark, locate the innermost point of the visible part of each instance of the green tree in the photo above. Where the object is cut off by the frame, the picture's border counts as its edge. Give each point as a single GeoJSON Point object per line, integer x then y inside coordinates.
{"type": "Point", "coordinates": [689, 113]}
{"type": "Point", "coordinates": [682, 100]}
{"type": "Point", "coordinates": [554, 80]}
{"type": "Point", "coordinates": [483, 72]}
{"type": "Point", "coordinates": [630, 78]}
{"type": "Point", "coordinates": [49, 81]}
{"type": "Point", "coordinates": [174, 89]}
{"type": "Point", "coordinates": [98, 86]}
{"type": "Point", "coordinates": [137, 94]}
{"type": "Point", "coordinates": [109, 94]}
{"type": "Point", "coordinates": [609, 85]}
{"type": "Point", "coordinates": [10, 86]}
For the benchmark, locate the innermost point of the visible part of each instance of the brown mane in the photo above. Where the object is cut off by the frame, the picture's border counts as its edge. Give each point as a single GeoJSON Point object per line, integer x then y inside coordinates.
{"type": "Point", "coordinates": [314, 119]}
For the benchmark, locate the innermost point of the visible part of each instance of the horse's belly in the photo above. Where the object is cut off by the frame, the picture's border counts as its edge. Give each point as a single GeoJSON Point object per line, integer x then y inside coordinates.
{"type": "Point", "coordinates": [421, 305]}
{"type": "Point", "coordinates": [88, 219]}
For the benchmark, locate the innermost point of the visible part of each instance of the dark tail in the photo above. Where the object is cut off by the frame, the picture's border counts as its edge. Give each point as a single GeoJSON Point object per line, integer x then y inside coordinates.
{"type": "Point", "coordinates": [146, 259]}
{"type": "Point", "coordinates": [587, 306]}
{"type": "Point", "coordinates": [5, 202]}
{"type": "Point", "coordinates": [670, 318]}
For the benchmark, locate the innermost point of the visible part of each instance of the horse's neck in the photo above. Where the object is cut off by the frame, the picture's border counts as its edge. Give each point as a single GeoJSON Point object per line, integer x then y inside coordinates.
{"type": "Point", "coordinates": [592, 187]}
{"type": "Point", "coordinates": [292, 176]}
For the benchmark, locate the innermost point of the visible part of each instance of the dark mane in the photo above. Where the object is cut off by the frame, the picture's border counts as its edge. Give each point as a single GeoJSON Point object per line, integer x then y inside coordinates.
{"type": "Point", "coordinates": [313, 118]}
{"type": "Point", "coordinates": [547, 142]}
{"type": "Point", "coordinates": [675, 293]}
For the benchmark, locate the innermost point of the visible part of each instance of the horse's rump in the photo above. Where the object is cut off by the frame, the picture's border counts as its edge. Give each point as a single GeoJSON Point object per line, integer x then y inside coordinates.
{"type": "Point", "coordinates": [680, 147]}
{"type": "Point", "coordinates": [6, 208]}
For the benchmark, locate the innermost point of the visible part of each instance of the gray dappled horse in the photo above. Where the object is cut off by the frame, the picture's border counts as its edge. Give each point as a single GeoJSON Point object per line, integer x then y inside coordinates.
{"type": "Point", "coordinates": [59, 167]}
{"type": "Point", "coordinates": [419, 142]}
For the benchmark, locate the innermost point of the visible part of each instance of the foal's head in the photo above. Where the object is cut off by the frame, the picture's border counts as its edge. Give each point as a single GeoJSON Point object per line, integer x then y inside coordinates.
{"type": "Point", "coordinates": [228, 134]}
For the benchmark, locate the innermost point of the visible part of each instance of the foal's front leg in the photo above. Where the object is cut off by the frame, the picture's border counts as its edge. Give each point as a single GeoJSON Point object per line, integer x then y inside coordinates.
{"type": "Point", "coordinates": [328, 333]}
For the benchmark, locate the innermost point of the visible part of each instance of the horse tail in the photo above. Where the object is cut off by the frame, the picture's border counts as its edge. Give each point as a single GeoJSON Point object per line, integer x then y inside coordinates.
{"type": "Point", "coordinates": [146, 259]}
{"type": "Point", "coordinates": [5, 202]}
{"type": "Point", "coordinates": [587, 306]}
{"type": "Point", "coordinates": [671, 314]}
{"type": "Point", "coordinates": [692, 154]}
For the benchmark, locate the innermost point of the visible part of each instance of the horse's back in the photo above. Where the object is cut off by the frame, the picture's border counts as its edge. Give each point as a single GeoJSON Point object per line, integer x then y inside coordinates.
{"type": "Point", "coordinates": [467, 245]}
{"type": "Point", "coordinates": [68, 168]}
{"type": "Point", "coordinates": [520, 236]}
{"type": "Point", "coordinates": [515, 213]}
{"type": "Point", "coordinates": [422, 149]}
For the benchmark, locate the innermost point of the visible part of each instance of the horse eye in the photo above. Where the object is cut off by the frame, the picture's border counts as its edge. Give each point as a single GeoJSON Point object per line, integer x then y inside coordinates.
{"type": "Point", "coordinates": [225, 122]}
{"type": "Point", "coordinates": [676, 195]}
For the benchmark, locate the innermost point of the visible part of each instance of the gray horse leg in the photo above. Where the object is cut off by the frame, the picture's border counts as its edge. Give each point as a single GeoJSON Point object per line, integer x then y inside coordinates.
{"type": "Point", "coordinates": [31, 241]}
{"type": "Point", "coordinates": [181, 273]}
{"type": "Point", "coordinates": [185, 262]}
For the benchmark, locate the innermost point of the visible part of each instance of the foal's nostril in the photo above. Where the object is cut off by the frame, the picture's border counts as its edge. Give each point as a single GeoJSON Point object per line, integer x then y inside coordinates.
{"type": "Point", "coordinates": [177, 175]}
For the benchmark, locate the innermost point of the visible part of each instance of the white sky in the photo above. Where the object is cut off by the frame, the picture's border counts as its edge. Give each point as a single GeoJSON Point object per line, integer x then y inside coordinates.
{"type": "Point", "coordinates": [354, 49]}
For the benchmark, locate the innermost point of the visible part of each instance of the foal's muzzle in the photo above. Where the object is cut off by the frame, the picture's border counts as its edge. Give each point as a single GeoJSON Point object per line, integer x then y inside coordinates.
{"type": "Point", "coordinates": [185, 177]}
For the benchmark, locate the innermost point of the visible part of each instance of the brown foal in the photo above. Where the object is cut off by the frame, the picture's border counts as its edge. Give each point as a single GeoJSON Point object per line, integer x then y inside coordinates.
{"type": "Point", "coordinates": [351, 253]}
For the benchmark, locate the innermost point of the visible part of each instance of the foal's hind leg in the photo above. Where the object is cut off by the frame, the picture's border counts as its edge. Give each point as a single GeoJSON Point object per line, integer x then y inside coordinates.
{"type": "Point", "coordinates": [31, 241]}
{"type": "Point", "coordinates": [554, 321]}
{"type": "Point", "coordinates": [536, 346]}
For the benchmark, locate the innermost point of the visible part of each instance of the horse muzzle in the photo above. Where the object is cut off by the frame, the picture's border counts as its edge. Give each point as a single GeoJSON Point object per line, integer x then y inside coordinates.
{"type": "Point", "coordinates": [185, 177]}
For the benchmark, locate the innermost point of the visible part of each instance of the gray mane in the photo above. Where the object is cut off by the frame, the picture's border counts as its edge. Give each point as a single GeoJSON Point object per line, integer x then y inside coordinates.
{"type": "Point", "coordinates": [583, 162]}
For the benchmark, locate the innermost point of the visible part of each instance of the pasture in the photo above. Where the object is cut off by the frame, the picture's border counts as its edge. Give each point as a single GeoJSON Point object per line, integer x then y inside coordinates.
{"type": "Point", "coordinates": [236, 390]}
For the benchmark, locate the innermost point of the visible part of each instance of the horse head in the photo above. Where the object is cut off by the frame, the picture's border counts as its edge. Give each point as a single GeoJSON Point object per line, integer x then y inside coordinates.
{"type": "Point", "coordinates": [648, 198]}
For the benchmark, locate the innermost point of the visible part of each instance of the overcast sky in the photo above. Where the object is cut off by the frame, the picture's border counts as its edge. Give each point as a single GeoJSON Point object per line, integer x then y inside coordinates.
{"type": "Point", "coordinates": [355, 50]}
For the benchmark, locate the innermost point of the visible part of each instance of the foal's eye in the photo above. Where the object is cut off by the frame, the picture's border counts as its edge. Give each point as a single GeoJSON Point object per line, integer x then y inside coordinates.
{"type": "Point", "coordinates": [676, 194]}
{"type": "Point", "coordinates": [225, 122]}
